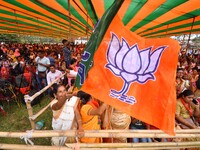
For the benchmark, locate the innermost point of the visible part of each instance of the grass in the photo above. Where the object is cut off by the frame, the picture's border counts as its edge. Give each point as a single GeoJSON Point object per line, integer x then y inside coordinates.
{"type": "Point", "coordinates": [16, 120]}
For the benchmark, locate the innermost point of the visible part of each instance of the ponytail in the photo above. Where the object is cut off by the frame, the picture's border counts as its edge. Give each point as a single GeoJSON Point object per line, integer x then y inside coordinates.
{"type": "Point", "coordinates": [84, 97]}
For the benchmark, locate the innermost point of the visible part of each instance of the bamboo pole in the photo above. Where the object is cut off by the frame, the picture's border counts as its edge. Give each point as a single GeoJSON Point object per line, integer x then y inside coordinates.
{"type": "Point", "coordinates": [182, 131]}
{"type": "Point", "coordinates": [45, 88]}
{"type": "Point", "coordinates": [40, 112]}
{"type": "Point", "coordinates": [87, 20]}
{"type": "Point", "coordinates": [185, 131]}
{"type": "Point", "coordinates": [188, 42]}
{"type": "Point", "coordinates": [88, 133]}
{"type": "Point", "coordinates": [18, 29]}
{"type": "Point", "coordinates": [30, 111]}
{"type": "Point", "coordinates": [134, 145]}
{"type": "Point", "coordinates": [153, 148]}
{"type": "Point", "coordinates": [28, 100]}
{"type": "Point", "coordinates": [105, 146]}
{"type": "Point", "coordinates": [29, 147]}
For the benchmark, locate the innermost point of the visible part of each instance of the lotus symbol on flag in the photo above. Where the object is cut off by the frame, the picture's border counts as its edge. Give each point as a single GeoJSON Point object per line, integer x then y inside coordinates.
{"type": "Point", "coordinates": [132, 65]}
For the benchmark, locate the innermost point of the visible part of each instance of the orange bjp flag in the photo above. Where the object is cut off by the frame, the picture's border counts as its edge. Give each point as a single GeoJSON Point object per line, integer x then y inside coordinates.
{"type": "Point", "coordinates": [135, 75]}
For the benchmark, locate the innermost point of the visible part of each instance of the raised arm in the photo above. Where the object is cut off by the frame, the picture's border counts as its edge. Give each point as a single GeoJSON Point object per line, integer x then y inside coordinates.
{"type": "Point", "coordinates": [61, 102]}
{"type": "Point", "coordinates": [99, 110]}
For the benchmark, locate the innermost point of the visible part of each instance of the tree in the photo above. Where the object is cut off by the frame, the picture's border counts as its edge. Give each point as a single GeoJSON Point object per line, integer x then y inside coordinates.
{"type": "Point", "coordinates": [9, 38]}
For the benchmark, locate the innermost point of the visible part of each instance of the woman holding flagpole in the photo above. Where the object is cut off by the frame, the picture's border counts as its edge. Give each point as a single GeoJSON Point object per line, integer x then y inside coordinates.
{"type": "Point", "coordinates": [65, 114]}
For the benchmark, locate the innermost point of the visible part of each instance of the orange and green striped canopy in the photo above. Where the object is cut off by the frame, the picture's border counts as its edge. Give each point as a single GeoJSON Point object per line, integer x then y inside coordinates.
{"type": "Point", "coordinates": [77, 18]}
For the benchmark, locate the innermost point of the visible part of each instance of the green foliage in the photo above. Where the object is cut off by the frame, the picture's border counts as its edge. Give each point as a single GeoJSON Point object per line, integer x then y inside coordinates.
{"type": "Point", "coordinates": [37, 39]}
{"type": "Point", "coordinates": [9, 38]}
{"type": "Point", "coordinates": [196, 39]}
{"type": "Point", "coordinates": [18, 38]}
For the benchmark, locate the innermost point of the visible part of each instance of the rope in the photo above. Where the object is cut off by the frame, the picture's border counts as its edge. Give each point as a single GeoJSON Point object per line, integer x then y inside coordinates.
{"type": "Point", "coordinates": [26, 98]}
{"type": "Point", "coordinates": [27, 137]}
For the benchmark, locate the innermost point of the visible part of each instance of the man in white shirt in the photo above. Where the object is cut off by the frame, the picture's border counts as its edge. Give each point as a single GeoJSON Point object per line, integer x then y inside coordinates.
{"type": "Point", "coordinates": [42, 63]}
{"type": "Point", "coordinates": [53, 74]}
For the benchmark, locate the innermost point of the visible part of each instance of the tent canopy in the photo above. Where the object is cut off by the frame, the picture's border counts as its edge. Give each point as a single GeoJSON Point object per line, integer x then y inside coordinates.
{"type": "Point", "coordinates": [77, 18]}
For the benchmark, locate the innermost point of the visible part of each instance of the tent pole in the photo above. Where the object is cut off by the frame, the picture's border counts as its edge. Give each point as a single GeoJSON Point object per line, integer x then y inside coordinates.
{"type": "Point", "coordinates": [83, 11]}
{"type": "Point", "coordinates": [69, 20]}
{"type": "Point", "coordinates": [167, 29]}
{"type": "Point", "coordinates": [183, 38]}
{"type": "Point", "coordinates": [18, 30]}
{"type": "Point", "coordinates": [52, 32]}
{"type": "Point", "coordinates": [190, 34]}
{"type": "Point", "coordinates": [39, 34]}
{"type": "Point", "coordinates": [87, 19]}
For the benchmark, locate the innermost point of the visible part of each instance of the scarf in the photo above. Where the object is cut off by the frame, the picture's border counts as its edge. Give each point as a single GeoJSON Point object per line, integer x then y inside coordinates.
{"type": "Point", "coordinates": [188, 107]}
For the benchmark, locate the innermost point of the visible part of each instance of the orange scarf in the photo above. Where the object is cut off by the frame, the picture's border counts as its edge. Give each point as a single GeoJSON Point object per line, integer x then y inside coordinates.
{"type": "Point", "coordinates": [188, 107]}
{"type": "Point", "coordinates": [93, 103]}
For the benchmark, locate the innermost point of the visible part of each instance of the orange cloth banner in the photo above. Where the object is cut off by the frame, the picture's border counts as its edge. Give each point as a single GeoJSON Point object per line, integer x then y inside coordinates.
{"type": "Point", "coordinates": [136, 75]}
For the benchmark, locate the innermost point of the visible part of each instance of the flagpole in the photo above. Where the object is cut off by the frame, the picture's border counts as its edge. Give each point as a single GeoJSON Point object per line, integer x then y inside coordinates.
{"type": "Point", "coordinates": [190, 34]}
{"type": "Point", "coordinates": [69, 20]}
{"type": "Point", "coordinates": [96, 39]}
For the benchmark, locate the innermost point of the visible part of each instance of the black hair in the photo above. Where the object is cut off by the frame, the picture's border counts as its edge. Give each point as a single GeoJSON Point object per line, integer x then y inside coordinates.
{"type": "Point", "coordinates": [73, 60]}
{"type": "Point", "coordinates": [186, 93]}
{"type": "Point", "coordinates": [55, 87]}
{"type": "Point", "coordinates": [84, 97]}
{"type": "Point", "coordinates": [63, 61]}
{"type": "Point", "coordinates": [72, 81]}
{"type": "Point", "coordinates": [180, 69]}
{"type": "Point", "coordinates": [64, 40]}
{"type": "Point", "coordinates": [48, 52]}
{"type": "Point", "coordinates": [52, 65]}
{"type": "Point", "coordinates": [195, 68]}
{"type": "Point", "coordinates": [72, 43]}
{"type": "Point", "coordinates": [80, 93]}
{"type": "Point", "coordinates": [198, 83]}
{"type": "Point", "coordinates": [41, 51]}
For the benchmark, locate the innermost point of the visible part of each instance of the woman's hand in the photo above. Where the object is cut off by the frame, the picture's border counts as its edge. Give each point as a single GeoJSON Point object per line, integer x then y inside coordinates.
{"type": "Point", "coordinates": [67, 70]}
{"type": "Point", "coordinates": [80, 132]}
{"type": "Point", "coordinates": [194, 127]}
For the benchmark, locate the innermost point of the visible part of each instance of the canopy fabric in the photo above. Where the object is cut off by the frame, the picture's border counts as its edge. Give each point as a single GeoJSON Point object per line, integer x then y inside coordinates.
{"type": "Point", "coordinates": [77, 18]}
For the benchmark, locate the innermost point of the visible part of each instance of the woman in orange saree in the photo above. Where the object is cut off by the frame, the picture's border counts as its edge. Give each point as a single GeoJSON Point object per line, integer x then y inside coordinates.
{"type": "Point", "coordinates": [90, 115]}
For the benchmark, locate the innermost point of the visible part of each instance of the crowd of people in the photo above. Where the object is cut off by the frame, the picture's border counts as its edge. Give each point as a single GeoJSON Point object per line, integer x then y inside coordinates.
{"type": "Point", "coordinates": [73, 109]}
{"type": "Point", "coordinates": [36, 59]}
